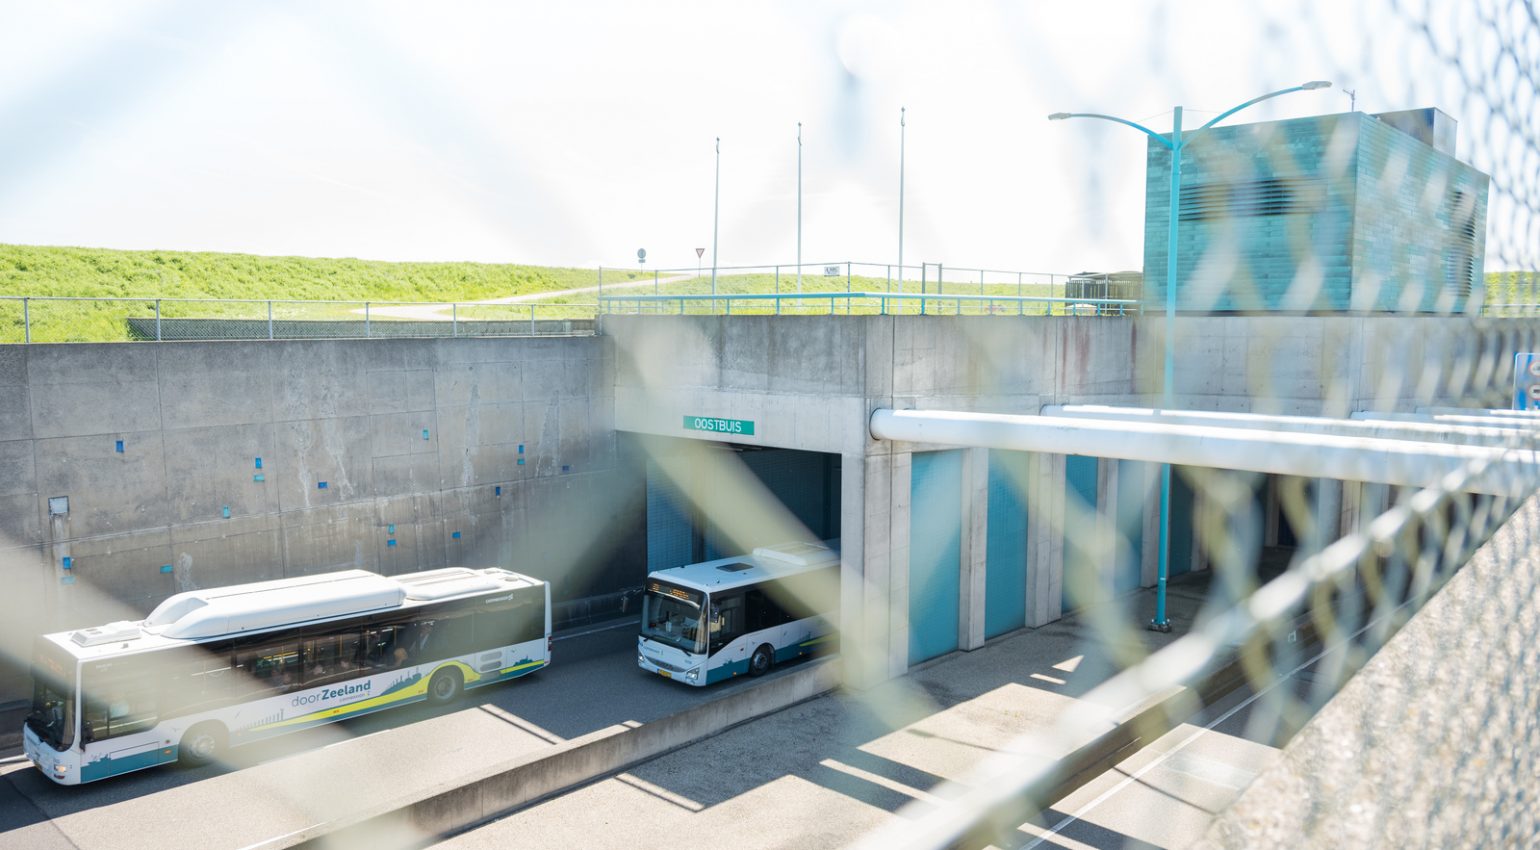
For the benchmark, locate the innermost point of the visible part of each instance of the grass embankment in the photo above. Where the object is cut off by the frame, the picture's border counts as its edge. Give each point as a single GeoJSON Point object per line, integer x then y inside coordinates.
{"type": "Point", "coordinates": [103, 273]}
{"type": "Point", "coordinates": [1513, 292]}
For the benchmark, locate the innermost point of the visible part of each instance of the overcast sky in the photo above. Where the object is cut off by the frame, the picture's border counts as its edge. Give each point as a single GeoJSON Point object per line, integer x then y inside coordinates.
{"type": "Point", "coordinates": [576, 132]}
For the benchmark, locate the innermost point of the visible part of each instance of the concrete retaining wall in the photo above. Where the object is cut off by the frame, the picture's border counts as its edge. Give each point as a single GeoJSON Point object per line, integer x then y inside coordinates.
{"type": "Point", "coordinates": [390, 455]}
{"type": "Point", "coordinates": [495, 792]}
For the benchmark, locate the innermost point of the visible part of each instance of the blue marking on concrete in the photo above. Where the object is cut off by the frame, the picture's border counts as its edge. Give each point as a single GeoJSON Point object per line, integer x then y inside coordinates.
{"type": "Point", "coordinates": [390, 542]}
{"type": "Point", "coordinates": [67, 580]}
{"type": "Point", "coordinates": [69, 562]}
{"type": "Point", "coordinates": [390, 529]}
{"type": "Point", "coordinates": [320, 485]}
{"type": "Point", "coordinates": [225, 511]}
{"type": "Point", "coordinates": [165, 568]}
{"type": "Point", "coordinates": [498, 490]}
{"type": "Point", "coordinates": [455, 535]}
{"type": "Point", "coordinates": [259, 463]}
{"type": "Point", "coordinates": [425, 433]}
{"type": "Point", "coordinates": [259, 477]}
{"type": "Point", "coordinates": [119, 448]}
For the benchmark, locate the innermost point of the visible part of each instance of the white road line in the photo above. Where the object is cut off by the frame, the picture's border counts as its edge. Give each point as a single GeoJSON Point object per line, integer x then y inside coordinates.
{"type": "Point", "coordinates": [621, 625]}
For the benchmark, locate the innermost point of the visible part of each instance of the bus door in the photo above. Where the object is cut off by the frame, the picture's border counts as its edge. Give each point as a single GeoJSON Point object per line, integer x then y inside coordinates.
{"type": "Point", "coordinates": [726, 643]}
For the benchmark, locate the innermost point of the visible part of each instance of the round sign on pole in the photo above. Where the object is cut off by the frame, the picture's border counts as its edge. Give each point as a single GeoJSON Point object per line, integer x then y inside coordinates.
{"type": "Point", "coordinates": [641, 253]}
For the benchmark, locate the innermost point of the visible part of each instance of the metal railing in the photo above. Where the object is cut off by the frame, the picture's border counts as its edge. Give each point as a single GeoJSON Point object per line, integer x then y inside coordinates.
{"type": "Point", "coordinates": [35, 319]}
{"type": "Point", "coordinates": [865, 303]}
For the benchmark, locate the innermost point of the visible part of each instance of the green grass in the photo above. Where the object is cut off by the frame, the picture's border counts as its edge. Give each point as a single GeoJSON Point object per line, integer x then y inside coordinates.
{"type": "Point", "coordinates": [38, 271]}
{"type": "Point", "coordinates": [1513, 288]}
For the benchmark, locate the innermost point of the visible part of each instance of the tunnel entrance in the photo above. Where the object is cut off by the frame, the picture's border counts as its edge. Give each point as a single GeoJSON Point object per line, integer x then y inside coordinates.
{"type": "Point", "coordinates": [711, 500]}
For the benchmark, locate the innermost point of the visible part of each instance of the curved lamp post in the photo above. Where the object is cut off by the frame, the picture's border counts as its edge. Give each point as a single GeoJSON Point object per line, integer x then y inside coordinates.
{"type": "Point", "coordinates": [1176, 144]}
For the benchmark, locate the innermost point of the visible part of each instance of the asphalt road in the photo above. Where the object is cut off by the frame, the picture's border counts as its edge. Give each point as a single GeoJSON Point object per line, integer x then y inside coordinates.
{"type": "Point", "coordinates": [276, 787]}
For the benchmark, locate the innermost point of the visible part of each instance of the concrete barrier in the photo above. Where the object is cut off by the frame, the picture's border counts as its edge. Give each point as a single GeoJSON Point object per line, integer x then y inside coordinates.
{"type": "Point", "coordinates": [411, 820]}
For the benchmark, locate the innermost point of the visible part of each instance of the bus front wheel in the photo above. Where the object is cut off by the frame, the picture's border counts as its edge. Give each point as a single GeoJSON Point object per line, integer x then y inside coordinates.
{"type": "Point", "coordinates": [202, 744]}
{"type": "Point", "coordinates": [444, 687]}
{"type": "Point", "coordinates": [759, 664]}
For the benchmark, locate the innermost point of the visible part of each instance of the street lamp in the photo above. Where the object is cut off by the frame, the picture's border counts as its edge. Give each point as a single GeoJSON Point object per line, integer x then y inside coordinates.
{"type": "Point", "coordinates": [1176, 144]}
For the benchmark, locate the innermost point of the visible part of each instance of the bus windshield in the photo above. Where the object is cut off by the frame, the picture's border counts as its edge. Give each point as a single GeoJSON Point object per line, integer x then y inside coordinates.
{"type": "Point", "coordinates": [52, 716]}
{"type": "Point", "coordinates": [669, 619]}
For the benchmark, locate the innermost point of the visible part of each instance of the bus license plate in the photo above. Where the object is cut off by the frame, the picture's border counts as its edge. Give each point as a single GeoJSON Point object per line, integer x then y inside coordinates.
{"type": "Point", "coordinates": [665, 674]}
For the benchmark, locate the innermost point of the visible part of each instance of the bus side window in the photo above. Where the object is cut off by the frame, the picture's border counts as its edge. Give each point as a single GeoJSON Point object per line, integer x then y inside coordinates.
{"type": "Point", "coordinates": [274, 667]}
{"type": "Point", "coordinates": [379, 646]}
{"type": "Point", "coordinates": [451, 635]}
{"type": "Point", "coordinates": [764, 612]}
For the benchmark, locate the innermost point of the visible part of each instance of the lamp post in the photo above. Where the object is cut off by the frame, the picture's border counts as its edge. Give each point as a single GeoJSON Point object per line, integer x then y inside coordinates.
{"type": "Point", "coordinates": [1176, 144]}
{"type": "Point", "coordinates": [716, 209]}
{"type": "Point", "coordinates": [901, 111]}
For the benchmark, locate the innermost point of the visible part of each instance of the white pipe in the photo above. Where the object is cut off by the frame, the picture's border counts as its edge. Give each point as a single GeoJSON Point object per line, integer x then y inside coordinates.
{"type": "Point", "coordinates": [1512, 424]}
{"type": "Point", "coordinates": [1381, 429]}
{"type": "Point", "coordinates": [1399, 462]}
{"type": "Point", "coordinates": [1481, 411]}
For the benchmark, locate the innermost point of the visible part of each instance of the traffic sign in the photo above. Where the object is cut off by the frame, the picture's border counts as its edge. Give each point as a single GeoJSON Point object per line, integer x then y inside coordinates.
{"type": "Point", "coordinates": [641, 255]}
{"type": "Point", "coordinates": [700, 252]}
{"type": "Point", "coordinates": [1526, 381]}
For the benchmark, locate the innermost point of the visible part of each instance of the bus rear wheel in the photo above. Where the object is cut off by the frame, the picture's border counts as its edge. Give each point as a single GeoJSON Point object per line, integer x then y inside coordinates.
{"type": "Point", "coordinates": [444, 687]}
{"type": "Point", "coordinates": [759, 663]}
{"type": "Point", "coordinates": [202, 745]}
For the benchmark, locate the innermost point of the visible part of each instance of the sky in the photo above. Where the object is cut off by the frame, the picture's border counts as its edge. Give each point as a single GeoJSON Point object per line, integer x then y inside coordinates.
{"type": "Point", "coordinates": [575, 133]}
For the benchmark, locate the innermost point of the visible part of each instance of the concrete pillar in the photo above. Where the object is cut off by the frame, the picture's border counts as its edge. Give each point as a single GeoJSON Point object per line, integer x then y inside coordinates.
{"type": "Point", "coordinates": [1328, 514]}
{"type": "Point", "coordinates": [855, 542]}
{"type": "Point", "coordinates": [1045, 540]}
{"type": "Point", "coordinates": [874, 567]}
{"type": "Point", "coordinates": [975, 541]}
{"type": "Point", "coordinates": [1105, 527]}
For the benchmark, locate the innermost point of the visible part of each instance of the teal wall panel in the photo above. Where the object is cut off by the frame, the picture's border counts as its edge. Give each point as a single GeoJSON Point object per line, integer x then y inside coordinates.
{"type": "Point", "coordinates": [935, 553]}
{"type": "Point", "coordinates": [1005, 572]}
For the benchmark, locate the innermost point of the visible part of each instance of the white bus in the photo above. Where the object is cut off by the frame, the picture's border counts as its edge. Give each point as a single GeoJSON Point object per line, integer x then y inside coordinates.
{"type": "Point", "coordinates": [226, 666]}
{"type": "Point", "coordinates": [706, 622]}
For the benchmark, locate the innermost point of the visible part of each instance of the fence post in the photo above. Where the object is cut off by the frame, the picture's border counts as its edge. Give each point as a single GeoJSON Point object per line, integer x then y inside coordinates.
{"type": "Point", "coordinates": [366, 319]}
{"type": "Point", "coordinates": [454, 319]}
{"type": "Point", "coordinates": [269, 319]}
{"type": "Point", "coordinates": [26, 320]}
{"type": "Point", "coordinates": [157, 320]}
{"type": "Point", "coordinates": [532, 318]}
{"type": "Point", "coordinates": [924, 268]}
{"type": "Point", "coordinates": [1021, 306]}
{"type": "Point", "coordinates": [981, 281]}
{"type": "Point", "coordinates": [847, 281]}
{"type": "Point", "coordinates": [654, 283]}
{"type": "Point", "coordinates": [601, 283]}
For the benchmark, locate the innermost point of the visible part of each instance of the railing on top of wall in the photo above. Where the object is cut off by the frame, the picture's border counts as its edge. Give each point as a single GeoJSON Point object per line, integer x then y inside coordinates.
{"type": "Point", "coordinates": [28, 319]}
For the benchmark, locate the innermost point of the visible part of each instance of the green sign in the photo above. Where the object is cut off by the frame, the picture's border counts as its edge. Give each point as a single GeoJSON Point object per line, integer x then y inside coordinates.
{"type": "Point", "coordinates": [735, 427]}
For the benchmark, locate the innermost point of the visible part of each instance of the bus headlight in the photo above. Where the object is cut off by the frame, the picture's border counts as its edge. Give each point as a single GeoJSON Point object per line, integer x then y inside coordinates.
{"type": "Point", "coordinates": [60, 769]}
{"type": "Point", "coordinates": [693, 674]}
{"type": "Point", "coordinates": [640, 658]}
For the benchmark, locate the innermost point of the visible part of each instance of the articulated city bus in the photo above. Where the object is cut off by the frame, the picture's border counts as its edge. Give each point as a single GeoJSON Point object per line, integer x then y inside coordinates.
{"type": "Point", "coordinates": [706, 622]}
{"type": "Point", "coordinates": [209, 669]}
